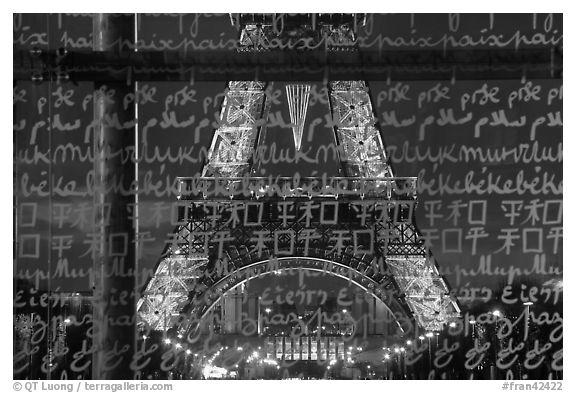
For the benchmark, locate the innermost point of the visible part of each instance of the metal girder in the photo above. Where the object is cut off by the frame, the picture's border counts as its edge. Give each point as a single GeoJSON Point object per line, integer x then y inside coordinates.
{"type": "Point", "coordinates": [230, 154]}
{"type": "Point", "coordinates": [253, 187]}
{"type": "Point", "coordinates": [232, 147]}
{"type": "Point", "coordinates": [426, 291]}
{"type": "Point", "coordinates": [290, 21]}
{"type": "Point", "coordinates": [364, 154]}
{"type": "Point", "coordinates": [243, 265]}
{"type": "Point", "coordinates": [265, 32]}
{"type": "Point", "coordinates": [167, 291]}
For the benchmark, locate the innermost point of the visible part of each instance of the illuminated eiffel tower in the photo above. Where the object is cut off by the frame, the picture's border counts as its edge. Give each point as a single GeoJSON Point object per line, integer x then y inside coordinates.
{"type": "Point", "coordinates": [393, 263]}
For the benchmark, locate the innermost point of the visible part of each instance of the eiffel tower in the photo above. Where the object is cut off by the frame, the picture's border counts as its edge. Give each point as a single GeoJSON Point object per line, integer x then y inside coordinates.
{"type": "Point", "coordinates": [229, 209]}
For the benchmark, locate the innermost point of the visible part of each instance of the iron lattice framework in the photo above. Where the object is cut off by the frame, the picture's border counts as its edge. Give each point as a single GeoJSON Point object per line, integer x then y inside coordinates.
{"type": "Point", "coordinates": [264, 32]}
{"type": "Point", "coordinates": [242, 112]}
{"type": "Point", "coordinates": [211, 250]}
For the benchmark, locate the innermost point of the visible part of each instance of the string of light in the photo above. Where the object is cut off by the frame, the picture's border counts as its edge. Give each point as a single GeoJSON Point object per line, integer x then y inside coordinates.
{"type": "Point", "coordinates": [298, 97]}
